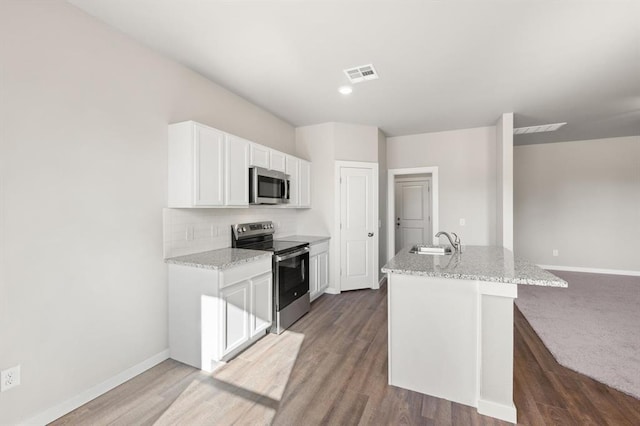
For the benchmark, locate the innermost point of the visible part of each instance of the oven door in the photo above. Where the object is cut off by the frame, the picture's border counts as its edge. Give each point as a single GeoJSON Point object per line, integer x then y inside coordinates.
{"type": "Point", "coordinates": [291, 277]}
{"type": "Point", "coordinates": [268, 186]}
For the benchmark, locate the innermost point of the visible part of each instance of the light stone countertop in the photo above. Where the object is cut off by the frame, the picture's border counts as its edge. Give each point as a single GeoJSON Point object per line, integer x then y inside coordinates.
{"type": "Point", "coordinates": [219, 259]}
{"type": "Point", "coordinates": [311, 239]}
{"type": "Point", "coordinates": [493, 264]}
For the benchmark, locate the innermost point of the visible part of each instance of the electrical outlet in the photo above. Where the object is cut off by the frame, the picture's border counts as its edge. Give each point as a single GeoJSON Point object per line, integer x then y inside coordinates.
{"type": "Point", "coordinates": [9, 378]}
{"type": "Point", "coordinates": [555, 252]}
{"type": "Point", "coordinates": [463, 222]}
{"type": "Point", "coordinates": [214, 231]}
{"type": "Point", "coordinates": [188, 235]}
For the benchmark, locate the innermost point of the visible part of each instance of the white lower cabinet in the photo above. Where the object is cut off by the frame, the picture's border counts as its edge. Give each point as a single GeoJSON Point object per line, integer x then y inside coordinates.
{"type": "Point", "coordinates": [213, 314]}
{"type": "Point", "coordinates": [318, 269]}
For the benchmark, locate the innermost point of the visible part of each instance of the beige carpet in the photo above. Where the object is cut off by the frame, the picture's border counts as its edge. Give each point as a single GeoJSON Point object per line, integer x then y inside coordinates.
{"type": "Point", "coordinates": [592, 327]}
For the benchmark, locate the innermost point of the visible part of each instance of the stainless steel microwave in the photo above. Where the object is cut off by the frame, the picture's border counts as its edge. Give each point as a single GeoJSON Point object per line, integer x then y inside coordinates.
{"type": "Point", "coordinates": [268, 186]}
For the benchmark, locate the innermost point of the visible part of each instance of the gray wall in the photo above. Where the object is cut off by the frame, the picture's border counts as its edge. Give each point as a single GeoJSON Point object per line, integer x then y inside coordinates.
{"type": "Point", "coordinates": [466, 161]}
{"type": "Point", "coordinates": [581, 198]}
{"type": "Point", "coordinates": [83, 180]}
{"type": "Point", "coordinates": [382, 199]}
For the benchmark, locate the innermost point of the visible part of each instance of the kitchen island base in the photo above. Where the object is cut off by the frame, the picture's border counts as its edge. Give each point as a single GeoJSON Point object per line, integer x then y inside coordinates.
{"type": "Point", "coordinates": [453, 339]}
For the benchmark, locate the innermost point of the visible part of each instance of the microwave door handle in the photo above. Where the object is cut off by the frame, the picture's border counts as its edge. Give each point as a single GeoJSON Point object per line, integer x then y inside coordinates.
{"type": "Point", "coordinates": [287, 196]}
{"type": "Point", "coordinates": [303, 268]}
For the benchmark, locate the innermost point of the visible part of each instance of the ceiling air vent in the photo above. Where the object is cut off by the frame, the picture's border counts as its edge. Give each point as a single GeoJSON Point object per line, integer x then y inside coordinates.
{"type": "Point", "coordinates": [538, 129]}
{"type": "Point", "coordinates": [361, 73]}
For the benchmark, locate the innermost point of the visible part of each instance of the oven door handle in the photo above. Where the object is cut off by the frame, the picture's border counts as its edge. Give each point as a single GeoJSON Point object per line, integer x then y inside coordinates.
{"type": "Point", "coordinates": [294, 254]}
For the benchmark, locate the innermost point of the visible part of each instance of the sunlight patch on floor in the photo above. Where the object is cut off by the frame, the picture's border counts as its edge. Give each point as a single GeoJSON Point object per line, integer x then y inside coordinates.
{"type": "Point", "coordinates": [248, 389]}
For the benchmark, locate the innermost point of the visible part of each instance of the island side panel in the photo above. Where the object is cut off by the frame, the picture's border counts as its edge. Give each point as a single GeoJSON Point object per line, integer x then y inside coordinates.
{"type": "Point", "coordinates": [496, 350]}
{"type": "Point", "coordinates": [433, 336]}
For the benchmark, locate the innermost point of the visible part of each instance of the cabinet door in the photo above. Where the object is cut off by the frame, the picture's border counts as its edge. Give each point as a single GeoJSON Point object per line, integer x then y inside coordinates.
{"type": "Point", "coordinates": [235, 316]}
{"type": "Point", "coordinates": [292, 165]}
{"type": "Point", "coordinates": [209, 166]}
{"type": "Point", "coordinates": [323, 271]}
{"type": "Point", "coordinates": [278, 161]}
{"type": "Point", "coordinates": [237, 172]}
{"type": "Point", "coordinates": [313, 276]}
{"type": "Point", "coordinates": [261, 303]}
{"type": "Point", "coordinates": [304, 181]}
{"type": "Point", "coordinates": [259, 156]}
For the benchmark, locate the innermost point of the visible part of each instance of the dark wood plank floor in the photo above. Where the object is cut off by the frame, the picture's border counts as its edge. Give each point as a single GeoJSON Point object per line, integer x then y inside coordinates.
{"type": "Point", "coordinates": [331, 368]}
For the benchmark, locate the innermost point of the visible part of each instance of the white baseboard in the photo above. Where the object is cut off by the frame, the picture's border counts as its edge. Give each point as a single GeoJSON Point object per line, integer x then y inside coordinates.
{"type": "Point", "coordinates": [591, 270]}
{"type": "Point", "coordinates": [71, 404]}
{"type": "Point", "coordinates": [331, 290]}
{"type": "Point", "coordinates": [504, 412]}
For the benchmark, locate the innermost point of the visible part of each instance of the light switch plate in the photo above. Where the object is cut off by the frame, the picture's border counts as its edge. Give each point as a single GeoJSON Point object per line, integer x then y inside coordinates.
{"type": "Point", "coordinates": [463, 222]}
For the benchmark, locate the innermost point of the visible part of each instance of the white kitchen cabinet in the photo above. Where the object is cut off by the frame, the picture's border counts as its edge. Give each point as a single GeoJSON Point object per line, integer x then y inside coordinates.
{"type": "Point", "coordinates": [318, 269]}
{"type": "Point", "coordinates": [207, 167]}
{"type": "Point", "coordinates": [260, 156]}
{"type": "Point", "coordinates": [210, 168]}
{"type": "Point", "coordinates": [235, 316]}
{"type": "Point", "coordinates": [304, 184]}
{"type": "Point", "coordinates": [278, 161]}
{"type": "Point", "coordinates": [292, 169]}
{"type": "Point", "coordinates": [237, 171]}
{"type": "Point", "coordinates": [196, 165]}
{"type": "Point", "coordinates": [215, 314]}
{"type": "Point", "coordinates": [261, 304]}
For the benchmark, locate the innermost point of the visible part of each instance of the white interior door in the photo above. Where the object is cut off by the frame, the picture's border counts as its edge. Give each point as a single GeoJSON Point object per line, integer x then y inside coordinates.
{"type": "Point", "coordinates": [358, 220]}
{"type": "Point", "coordinates": [413, 213]}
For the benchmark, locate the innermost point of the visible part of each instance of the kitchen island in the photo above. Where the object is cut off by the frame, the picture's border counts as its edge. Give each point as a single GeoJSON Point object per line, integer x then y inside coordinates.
{"type": "Point", "coordinates": [451, 324]}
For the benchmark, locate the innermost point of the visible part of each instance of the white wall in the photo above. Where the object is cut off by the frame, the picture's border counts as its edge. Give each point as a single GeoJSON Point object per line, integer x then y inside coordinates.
{"type": "Point", "coordinates": [323, 144]}
{"type": "Point", "coordinates": [83, 180]}
{"type": "Point", "coordinates": [582, 198]}
{"type": "Point", "coordinates": [355, 142]}
{"type": "Point", "coordinates": [466, 161]}
{"type": "Point", "coordinates": [382, 199]}
{"type": "Point", "coordinates": [504, 181]}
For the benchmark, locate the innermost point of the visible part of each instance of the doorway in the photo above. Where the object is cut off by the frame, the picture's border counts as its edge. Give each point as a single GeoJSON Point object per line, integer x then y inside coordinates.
{"type": "Point", "coordinates": [413, 211]}
{"type": "Point", "coordinates": [413, 207]}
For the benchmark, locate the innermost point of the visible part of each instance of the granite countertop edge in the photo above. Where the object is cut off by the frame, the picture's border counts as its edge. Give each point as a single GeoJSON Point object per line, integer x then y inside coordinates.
{"type": "Point", "coordinates": [220, 259]}
{"type": "Point", "coordinates": [478, 263]}
{"type": "Point", "coordinates": [487, 278]}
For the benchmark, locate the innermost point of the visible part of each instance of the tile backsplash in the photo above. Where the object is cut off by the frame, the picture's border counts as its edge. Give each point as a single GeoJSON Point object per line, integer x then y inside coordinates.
{"type": "Point", "coordinates": [187, 231]}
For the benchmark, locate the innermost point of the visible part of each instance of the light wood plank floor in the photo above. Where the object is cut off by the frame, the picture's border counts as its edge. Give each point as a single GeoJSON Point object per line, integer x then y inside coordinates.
{"type": "Point", "coordinates": [331, 368]}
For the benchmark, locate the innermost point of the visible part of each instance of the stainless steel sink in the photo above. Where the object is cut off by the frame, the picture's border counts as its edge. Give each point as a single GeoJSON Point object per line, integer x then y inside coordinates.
{"type": "Point", "coordinates": [432, 250]}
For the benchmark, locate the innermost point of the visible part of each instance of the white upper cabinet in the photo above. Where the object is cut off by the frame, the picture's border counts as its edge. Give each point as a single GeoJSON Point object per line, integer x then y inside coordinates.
{"type": "Point", "coordinates": [277, 161]}
{"type": "Point", "coordinates": [259, 156]}
{"type": "Point", "coordinates": [292, 169]}
{"type": "Point", "coordinates": [196, 166]}
{"type": "Point", "coordinates": [210, 168]}
{"type": "Point", "coordinates": [304, 182]}
{"type": "Point", "coordinates": [237, 171]}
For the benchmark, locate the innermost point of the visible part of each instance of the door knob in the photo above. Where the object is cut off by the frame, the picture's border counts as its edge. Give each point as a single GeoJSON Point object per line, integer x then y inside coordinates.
{"type": "Point", "coordinates": [371, 234]}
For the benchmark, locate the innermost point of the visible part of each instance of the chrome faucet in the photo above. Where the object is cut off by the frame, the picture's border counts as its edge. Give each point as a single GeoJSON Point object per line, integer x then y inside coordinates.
{"type": "Point", "coordinates": [455, 241]}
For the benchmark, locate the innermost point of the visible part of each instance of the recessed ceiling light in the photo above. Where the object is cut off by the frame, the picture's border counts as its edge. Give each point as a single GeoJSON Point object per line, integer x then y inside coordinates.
{"type": "Point", "coordinates": [538, 129]}
{"type": "Point", "coordinates": [345, 90]}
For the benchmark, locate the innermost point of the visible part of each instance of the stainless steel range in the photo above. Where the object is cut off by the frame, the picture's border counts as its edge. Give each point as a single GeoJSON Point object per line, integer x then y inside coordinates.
{"type": "Point", "coordinates": [290, 270]}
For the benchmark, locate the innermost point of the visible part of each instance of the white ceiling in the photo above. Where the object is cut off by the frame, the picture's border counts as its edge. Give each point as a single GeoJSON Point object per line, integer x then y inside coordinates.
{"type": "Point", "coordinates": [443, 65]}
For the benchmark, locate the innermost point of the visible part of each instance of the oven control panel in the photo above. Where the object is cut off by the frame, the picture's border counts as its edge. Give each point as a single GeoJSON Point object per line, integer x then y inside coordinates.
{"type": "Point", "coordinates": [245, 230]}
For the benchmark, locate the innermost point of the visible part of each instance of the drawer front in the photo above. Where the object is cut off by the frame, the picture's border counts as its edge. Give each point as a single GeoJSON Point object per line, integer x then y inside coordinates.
{"type": "Point", "coordinates": [318, 248]}
{"type": "Point", "coordinates": [244, 271]}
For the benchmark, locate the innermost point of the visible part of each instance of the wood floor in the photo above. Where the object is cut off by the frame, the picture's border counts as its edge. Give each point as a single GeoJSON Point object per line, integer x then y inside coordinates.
{"type": "Point", "coordinates": [331, 368]}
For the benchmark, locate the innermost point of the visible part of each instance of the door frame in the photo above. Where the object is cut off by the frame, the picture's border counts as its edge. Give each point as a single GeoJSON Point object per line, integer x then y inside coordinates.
{"type": "Point", "coordinates": [336, 253]}
{"type": "Point", "coordinates": [400, 179]}
{"type": "Point", "coordinates": [391, 199]}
